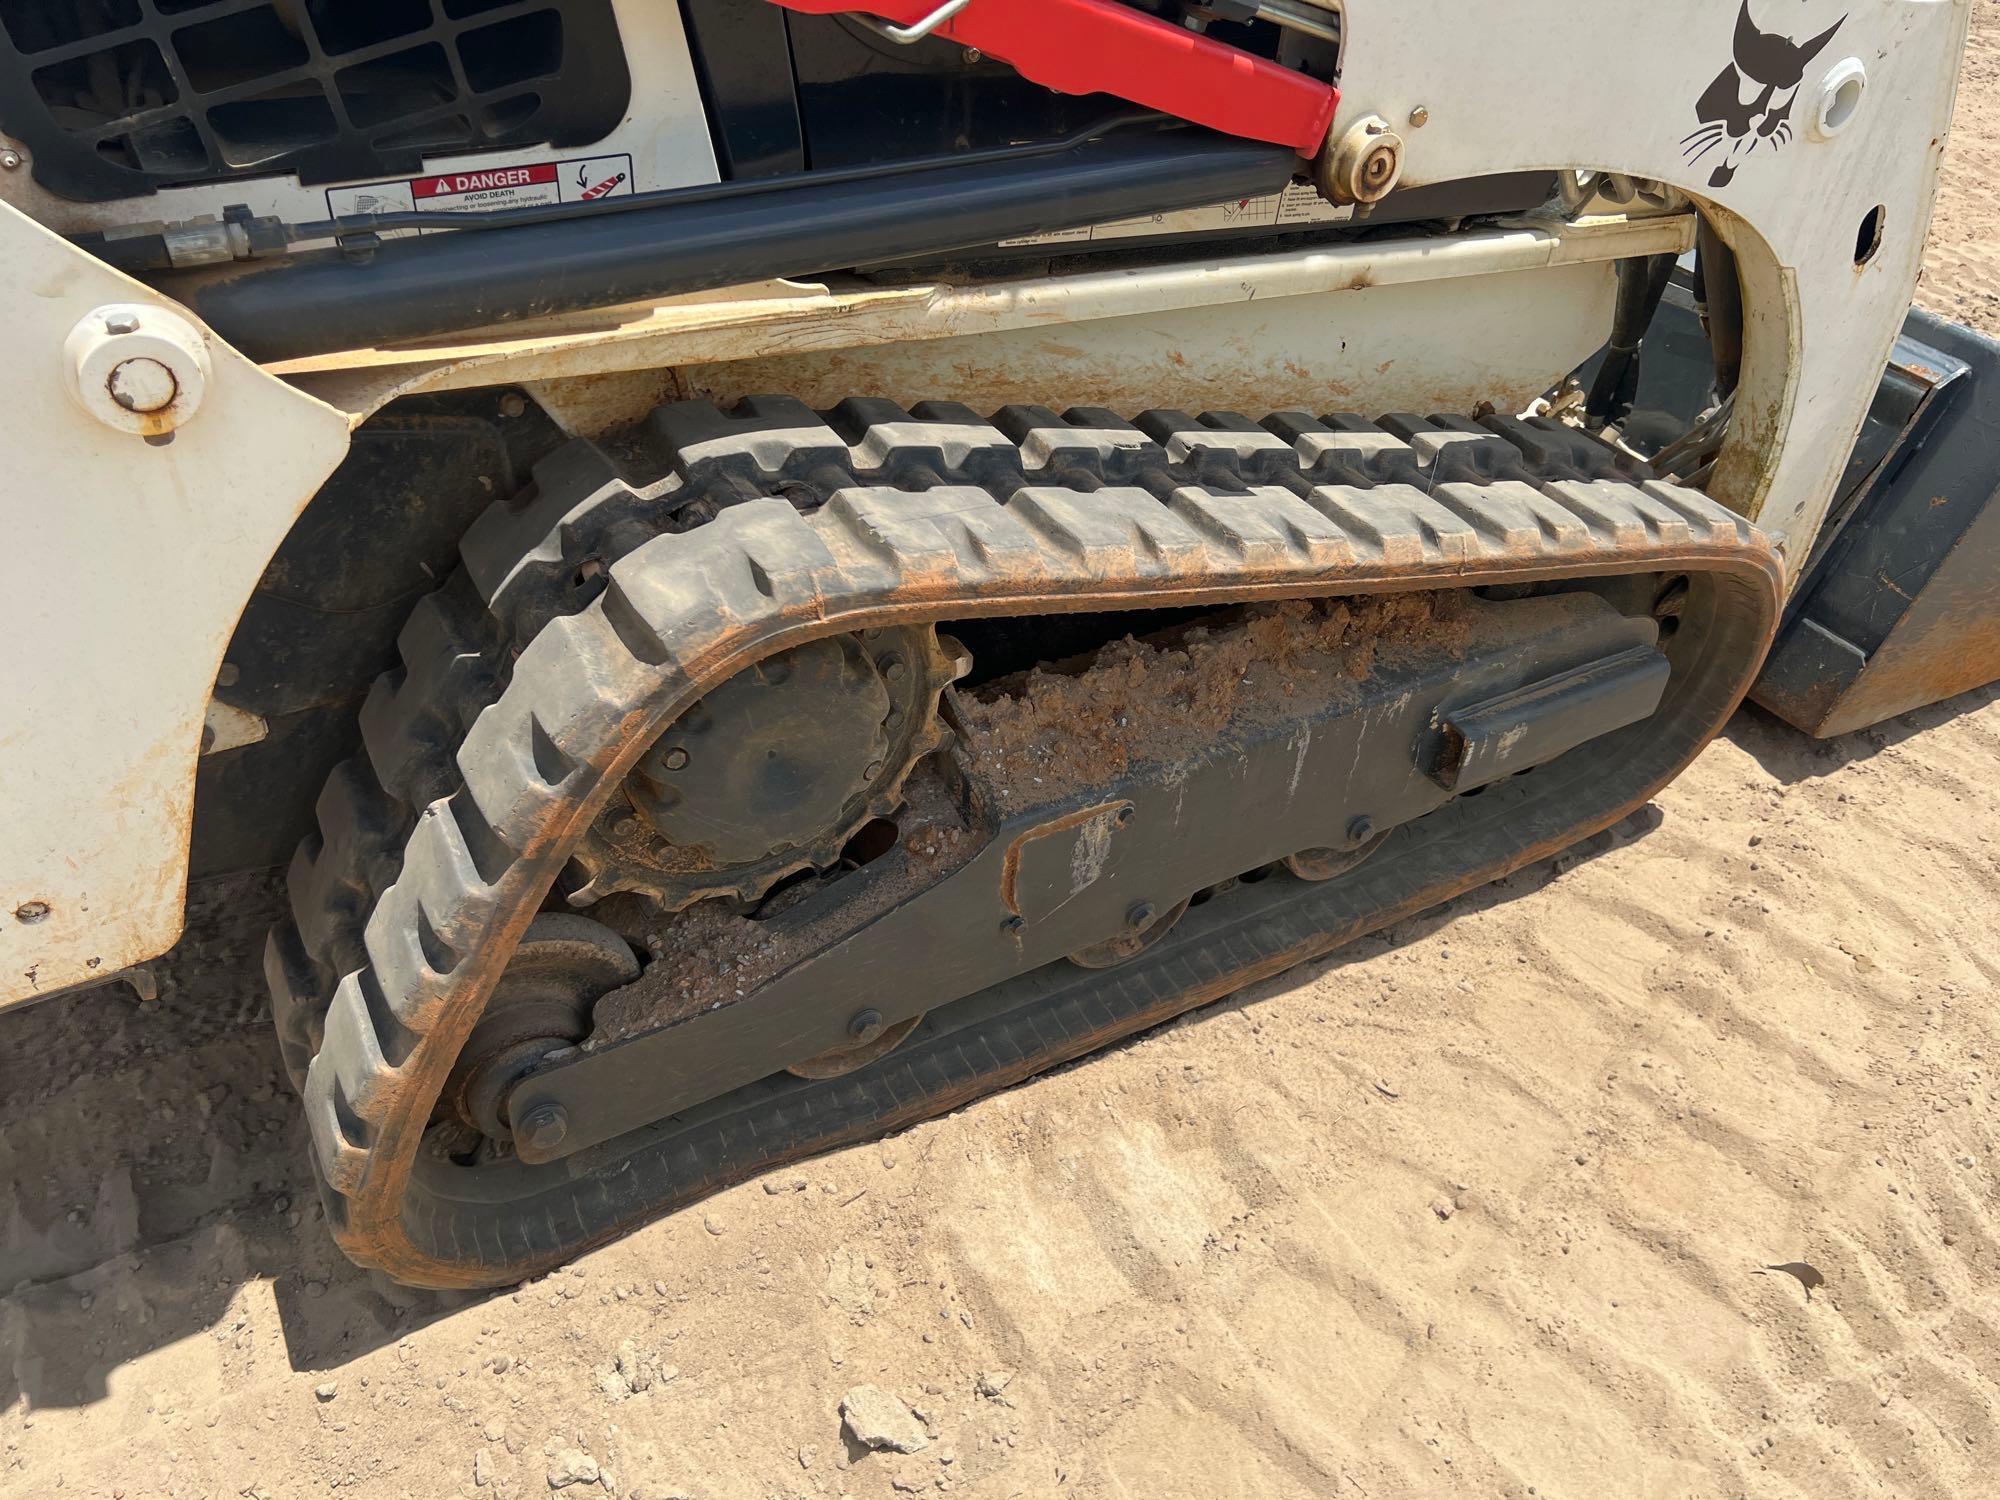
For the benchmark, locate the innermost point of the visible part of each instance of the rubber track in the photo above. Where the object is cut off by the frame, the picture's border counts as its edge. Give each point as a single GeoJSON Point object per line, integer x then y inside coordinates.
{"type": "Point", "coordinates": [631, 577]}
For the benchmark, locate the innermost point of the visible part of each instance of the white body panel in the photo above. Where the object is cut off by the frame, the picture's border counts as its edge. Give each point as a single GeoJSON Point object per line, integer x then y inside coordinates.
{"type": "Point", "coordinates": [124, 567]}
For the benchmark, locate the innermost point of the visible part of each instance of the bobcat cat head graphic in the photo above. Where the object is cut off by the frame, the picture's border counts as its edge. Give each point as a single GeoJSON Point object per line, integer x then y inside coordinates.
{"type": "Point", "coordinates": [1749, 105]}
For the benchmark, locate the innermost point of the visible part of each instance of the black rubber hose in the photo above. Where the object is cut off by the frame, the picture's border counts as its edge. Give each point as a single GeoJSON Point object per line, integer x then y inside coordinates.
{"type": "Point", "coordinates": [1642, 282]}
{"type": "Point", "coordinates": [420, 288]}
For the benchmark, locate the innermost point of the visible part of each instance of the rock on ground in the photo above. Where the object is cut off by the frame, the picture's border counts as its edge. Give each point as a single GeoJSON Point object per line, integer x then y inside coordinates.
{"type": "Point", "coordinates": [877, 1419]}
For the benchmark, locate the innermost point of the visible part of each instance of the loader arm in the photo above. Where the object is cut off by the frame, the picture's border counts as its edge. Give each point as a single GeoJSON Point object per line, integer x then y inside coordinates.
{"type": "Point", "coordinates": [1100, 46]}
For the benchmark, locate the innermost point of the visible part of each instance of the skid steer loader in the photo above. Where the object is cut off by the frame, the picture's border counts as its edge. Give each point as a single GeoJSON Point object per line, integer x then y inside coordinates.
{"type": "Point", "coordinates": [773, 566]}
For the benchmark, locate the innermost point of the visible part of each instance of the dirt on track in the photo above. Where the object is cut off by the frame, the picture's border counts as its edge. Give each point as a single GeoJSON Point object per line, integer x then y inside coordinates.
{"type": "Point", "coordinates": [1478, 1207]}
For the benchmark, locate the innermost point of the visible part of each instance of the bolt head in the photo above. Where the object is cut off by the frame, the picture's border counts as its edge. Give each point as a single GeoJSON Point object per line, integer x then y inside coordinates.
{"type": "Point", "coordinates": [1360, 830]}
{"type": "Point", "coordinates": [121, 322]}
{"type": "Point", "coordinates": [1012, 926]}
{"type": "Point", "coordinates": [1125, 815]}
{"type": "Point", "coordinates": [1139, 917]}
{"type": "Point", "coordinates": [10, 161]}
{"type": "Point", "coordinates": [1420, 116]}
{"type": "Point", "coordinates": [865, 1025]}
{"type": "Point", "coordinates": [543, 1127]}
{"type": "Point", "coordinates": [674, 759]}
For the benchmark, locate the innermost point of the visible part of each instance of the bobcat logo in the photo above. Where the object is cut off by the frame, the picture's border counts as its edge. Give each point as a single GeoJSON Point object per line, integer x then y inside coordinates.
{"type": "Point", "coordinates": [1750, 102]}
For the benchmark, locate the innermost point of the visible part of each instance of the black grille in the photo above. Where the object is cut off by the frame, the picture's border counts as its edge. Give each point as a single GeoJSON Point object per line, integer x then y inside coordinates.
{"type": "Point", "coordinates": [114, 98]}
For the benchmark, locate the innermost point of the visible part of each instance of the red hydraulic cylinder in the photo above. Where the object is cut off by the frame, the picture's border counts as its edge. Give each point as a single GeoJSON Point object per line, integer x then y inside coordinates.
{"type": "Point", "coordinates": [1101, 47]}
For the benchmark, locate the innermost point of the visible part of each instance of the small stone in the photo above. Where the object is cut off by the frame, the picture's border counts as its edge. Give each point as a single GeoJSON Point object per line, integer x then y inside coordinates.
{"type": "Point", "coordinates": [572, 1466]}
{"type": "Point", "coordinates": [495, 1429]}
{"type": "Point", "coordinates": [482, 1468]}
{"type": "Point", "coordinates": [992, 1382]}
{"type": "Point", "coordinates": [807, 1454]}
{"type": "Point", "coordinates": [500, 1364]}
{"type": "Point", "coordinates": [877, 1419]}
{"type": "Point", "coordinates": [327, 1391]}
{"type": "Point", "coordinates": [1443, 1207]}
{"type": "Point", "coordinates": [712, 1223]}
{"type": "Point", "coordinates": [634, 1371]}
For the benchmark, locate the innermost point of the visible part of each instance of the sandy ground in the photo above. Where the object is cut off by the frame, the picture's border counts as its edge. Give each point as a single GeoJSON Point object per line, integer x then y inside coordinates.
{"type": "Point", "coordinates": [1476, 1208]}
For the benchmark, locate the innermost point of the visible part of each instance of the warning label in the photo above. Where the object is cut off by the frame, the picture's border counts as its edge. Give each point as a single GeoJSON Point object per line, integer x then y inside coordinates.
{"type": "Point", "coordinates": [523, 185]}
{"type": "Point", "coordinates": [1297, 204]}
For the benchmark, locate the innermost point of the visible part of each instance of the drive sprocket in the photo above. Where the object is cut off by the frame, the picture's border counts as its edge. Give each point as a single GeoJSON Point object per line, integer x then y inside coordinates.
{"type": "Point", "coordinates": [773, 772]}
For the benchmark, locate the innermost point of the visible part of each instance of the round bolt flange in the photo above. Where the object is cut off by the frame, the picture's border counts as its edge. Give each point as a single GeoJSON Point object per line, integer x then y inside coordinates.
{"type": "Point", "coordinates": [1360, 829]}
{"type": "Point", "coordinates": [1140, 916]}
{"type": "Point", "coordinates": [10, 161]}
{"type": "Point", "coordinates": [139, 369]}
{"type": "Point", "coordinates": [1364, 165]}
{"type": "Point", "coordinates": [543, 1127]}
{"type": "Point", "coordinates": [865, 1025]}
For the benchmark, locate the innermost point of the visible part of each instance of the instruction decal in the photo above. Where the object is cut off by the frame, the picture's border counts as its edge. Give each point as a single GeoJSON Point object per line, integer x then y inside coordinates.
{"type": "Point", "coordinates": [484, 189]}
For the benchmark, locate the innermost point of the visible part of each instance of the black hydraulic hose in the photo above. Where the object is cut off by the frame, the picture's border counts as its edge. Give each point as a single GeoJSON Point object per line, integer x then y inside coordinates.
{"type": "Point", "coordinates": [320, 301]}
{"type": "Point", "coordinates": [1642, 282]}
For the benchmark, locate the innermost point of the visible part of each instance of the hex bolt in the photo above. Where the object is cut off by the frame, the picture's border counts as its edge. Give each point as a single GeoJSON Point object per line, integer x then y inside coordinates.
{"type": "Point", "coordinates": [1420, 116]}
{"type": "Point", "coordinates": [543, 1127]}
{"type": "Point", "coordinates": [121, 322]}
{"type": "Point", "coordinates": [893, 669]}
{"type": "Point", "coordinates": [865, 1025]}
{"type": "Point", "coordinates": [1360, 830]}
{"type": "Point", "coordinates": [1014, 925]}
{"type": "Point", "coordinates": [1125, 815]}
{"type": "Point", "coordinates": [674, 759]}
{"type": "Point", "coordinates": [10, 161]}
{"type": "Point", "coordinates": [1139, 917]}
